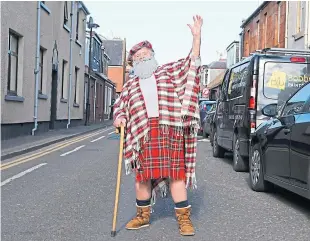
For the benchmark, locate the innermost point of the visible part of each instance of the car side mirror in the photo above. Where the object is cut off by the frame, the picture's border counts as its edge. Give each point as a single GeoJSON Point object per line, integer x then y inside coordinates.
{"type": "Point", "coordinates": [270, 110]}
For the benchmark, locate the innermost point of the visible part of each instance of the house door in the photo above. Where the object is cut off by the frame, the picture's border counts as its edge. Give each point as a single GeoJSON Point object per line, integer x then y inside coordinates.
{"type": "Point", "coordinates": [54, 99]}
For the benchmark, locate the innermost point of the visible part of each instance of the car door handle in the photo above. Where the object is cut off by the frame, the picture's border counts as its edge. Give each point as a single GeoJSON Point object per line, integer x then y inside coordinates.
{"type": "Point", "coordinates": [286, 131]}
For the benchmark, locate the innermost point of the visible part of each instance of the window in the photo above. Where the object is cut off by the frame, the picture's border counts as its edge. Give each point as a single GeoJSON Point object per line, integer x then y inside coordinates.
{"type": "Point", "coordinates": [249, 42]}
{"type": "Point", "coordinates": [238, 80]}
{"type": "Point", "coordinates": [279, 22]}
{"type": "Point", "coordinates": [97, 94]}
{"type": "Point", "coordinates": [104, 65]}
{"type": "Point", "coordinates": [108, 100]}
{"type": "Point", "coordinates": [296, 103]}
{"type": "Point", "coordinates": [105, 100]}
{"type": "Point", "coordinates": [299, 17]}
{"type": "Point", "coordinates": [258, 35]}
{"type": "Point", "coordinates": [41, 70]}
{"type": "Point", "coordinates": [85, 94]}
{"type": "Point", "coordinates": [76, 85]}
{"type": "Point", "coordinates": [66, 18]}
{"type": "Point", "coordinates": [13, 63]}
{"type": "Point", "coordinates": [265, 30]}
{"type": "Point", "coordinates": [77, 24]}
{"type": "Point", "coordinates": [64, 83]}
{"type": "Point", "coordinates": [223, 93]}
{"type": "Point", "coordinates": [96, 50]}
{"type": "Point", "coordinates": [282, 79]}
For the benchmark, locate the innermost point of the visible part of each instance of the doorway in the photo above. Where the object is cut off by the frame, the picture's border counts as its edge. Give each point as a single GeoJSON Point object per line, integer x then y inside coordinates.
{"type": "Point", "coordinates": [54, 99]}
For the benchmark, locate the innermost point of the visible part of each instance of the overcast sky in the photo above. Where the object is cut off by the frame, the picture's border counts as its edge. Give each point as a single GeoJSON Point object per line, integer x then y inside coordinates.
{"type": "Point", "coordinates": [164, 24]}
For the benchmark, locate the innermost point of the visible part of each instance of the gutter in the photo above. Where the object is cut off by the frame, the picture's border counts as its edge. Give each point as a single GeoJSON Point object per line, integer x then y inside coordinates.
{"type": "Point", "coordinates": [84, 8]}
{"type": "Point", "coordinates": [70, 66]}
{"type": "Point", "coordinates": [37, 68]}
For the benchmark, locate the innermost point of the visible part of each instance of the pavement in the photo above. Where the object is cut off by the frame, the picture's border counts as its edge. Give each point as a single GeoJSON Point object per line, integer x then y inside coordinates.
{"type": "Point", "coordinates": [68, 194]}
{"type": "Point", "coordinates": [20, 145]}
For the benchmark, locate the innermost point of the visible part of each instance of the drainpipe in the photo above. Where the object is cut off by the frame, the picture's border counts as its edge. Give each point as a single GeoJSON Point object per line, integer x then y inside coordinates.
{"type": "Point", "coordinates": [95, 97]}
{"type": "Point", "coordinates": [37, 69]}
{"type": "Point", "coordinates": [286, 23]}
{"type": "Point", "coordinates": [70, 67]}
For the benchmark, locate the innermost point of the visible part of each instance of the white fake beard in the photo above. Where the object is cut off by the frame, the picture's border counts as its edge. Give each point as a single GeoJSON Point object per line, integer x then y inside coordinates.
{"type": "Point", "coordinates": [145, 68]}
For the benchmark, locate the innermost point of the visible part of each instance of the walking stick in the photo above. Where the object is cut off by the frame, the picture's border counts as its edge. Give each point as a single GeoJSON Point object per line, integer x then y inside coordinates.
{"type": "Point", "coordinates": [118, 183]}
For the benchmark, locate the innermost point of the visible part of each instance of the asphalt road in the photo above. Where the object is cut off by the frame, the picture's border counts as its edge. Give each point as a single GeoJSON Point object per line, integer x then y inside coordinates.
{"type": "Point", "coordinates": [65, 195]}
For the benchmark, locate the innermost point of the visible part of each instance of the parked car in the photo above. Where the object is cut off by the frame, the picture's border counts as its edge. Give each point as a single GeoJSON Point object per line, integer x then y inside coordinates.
{"type": "Point", "coordinates": [280, 147]}
{"type": "Point", "coordinates": [202, 99]}
{"type": "Point", "coordinates": [206, 122]}
{"type": "Point", "coordinates": [204, 108]}
{"type": "Point", "coordinates": [267, 77]}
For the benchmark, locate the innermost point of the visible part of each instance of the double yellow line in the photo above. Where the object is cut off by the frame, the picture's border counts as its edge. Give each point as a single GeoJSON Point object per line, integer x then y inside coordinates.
{"type": "Point", "coordinates": [47, 151]}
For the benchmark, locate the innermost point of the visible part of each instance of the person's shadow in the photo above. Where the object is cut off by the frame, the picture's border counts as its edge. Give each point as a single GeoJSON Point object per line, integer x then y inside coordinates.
{"type": "Point", "coordinates": [164, 207]}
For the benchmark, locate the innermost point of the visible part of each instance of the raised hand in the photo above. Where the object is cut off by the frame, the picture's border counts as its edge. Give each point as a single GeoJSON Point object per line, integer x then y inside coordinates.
{"type": "Point", "coordinates": [196, 27]}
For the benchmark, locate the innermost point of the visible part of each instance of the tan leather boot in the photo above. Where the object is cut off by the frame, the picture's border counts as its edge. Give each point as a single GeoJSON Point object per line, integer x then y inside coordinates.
{"type": "Point", "coordinates": [186, 227]}
{"type": "Point", "coordinates": [142, 218]}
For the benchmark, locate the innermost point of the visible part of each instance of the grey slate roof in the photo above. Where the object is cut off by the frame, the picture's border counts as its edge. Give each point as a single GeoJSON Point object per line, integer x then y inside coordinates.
{"type": "Point", "coordinates": [114, 49]}
{"type": "Point", "coordinates": [217, 65]}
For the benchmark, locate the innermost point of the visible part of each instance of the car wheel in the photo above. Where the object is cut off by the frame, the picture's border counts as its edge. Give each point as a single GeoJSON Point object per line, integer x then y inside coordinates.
{"type": "Point", "coordinates": [211, 136]}
{"type": "Point", "coordinates": [217, 150]}
{"type": "Point", "coordinates": [256, 170]}
{"type": "Point", "coordinates": [204, 134]}
{"type": "Point", "coordinates": [309, 183]}
{"type": "Point", "coordinates": [240, 163]}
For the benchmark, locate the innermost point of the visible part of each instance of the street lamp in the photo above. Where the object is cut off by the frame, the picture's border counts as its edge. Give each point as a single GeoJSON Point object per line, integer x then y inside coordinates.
{"type": "Point", "coordinates": [91, 25]}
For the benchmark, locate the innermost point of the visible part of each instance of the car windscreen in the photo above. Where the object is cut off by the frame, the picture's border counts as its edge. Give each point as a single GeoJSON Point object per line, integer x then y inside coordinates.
{"type": "Point", "coordinates": [206, 105]}
{"type": "Point", "coordinates": [283, 79]}
{"type": "Point", "coordinates": [213, 107]}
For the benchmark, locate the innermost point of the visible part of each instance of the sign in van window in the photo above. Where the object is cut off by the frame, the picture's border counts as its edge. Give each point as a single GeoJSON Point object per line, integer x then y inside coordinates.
{"type": "Point", "coordinates": [284, 78]}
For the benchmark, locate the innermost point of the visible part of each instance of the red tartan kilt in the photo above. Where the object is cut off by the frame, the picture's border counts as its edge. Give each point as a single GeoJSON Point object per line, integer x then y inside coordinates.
{"type": "Point", "coordinates": [163, 155]}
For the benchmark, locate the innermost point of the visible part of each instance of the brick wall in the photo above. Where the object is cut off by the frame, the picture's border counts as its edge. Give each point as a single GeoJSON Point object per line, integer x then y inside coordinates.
{"type": "Point", "coordinates": [266, 29]}
{"type": "Point", "coordinates": [116, 74]}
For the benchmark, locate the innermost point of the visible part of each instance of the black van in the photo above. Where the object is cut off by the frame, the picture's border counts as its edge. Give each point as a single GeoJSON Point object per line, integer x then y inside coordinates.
{"type": "Point", "coordinates": [247, 87]}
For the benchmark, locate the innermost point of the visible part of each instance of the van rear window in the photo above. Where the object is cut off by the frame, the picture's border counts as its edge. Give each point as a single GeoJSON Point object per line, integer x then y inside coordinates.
{"type": "Point", "coordinates": [284, 78]}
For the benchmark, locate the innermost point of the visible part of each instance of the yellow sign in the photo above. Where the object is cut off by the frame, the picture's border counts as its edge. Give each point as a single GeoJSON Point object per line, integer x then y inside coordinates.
{"type": "Point", "coordinates": [277, 80]}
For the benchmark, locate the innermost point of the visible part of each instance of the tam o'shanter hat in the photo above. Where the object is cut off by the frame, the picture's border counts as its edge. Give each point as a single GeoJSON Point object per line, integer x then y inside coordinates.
{"type": "Point", "coordinates": [137, 47]}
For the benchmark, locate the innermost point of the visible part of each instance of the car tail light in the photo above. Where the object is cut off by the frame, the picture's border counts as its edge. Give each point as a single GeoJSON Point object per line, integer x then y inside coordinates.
{"type": "Point", "coordinates": [252, 100]}
{"type": "Point", "coordinates": [252, 103]}
{"type": "Point", "coordinates": [298, 59]}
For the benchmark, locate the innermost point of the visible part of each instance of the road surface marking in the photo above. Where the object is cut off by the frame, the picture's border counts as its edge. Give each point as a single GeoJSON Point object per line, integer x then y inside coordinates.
{"type": "Point", "coordinates": [49, 150]}
{"type": "Point", "coordinates": [111, 133]}
{"type": "Point", "coordinates": [204, 140]}
{"type": "Point", "coordinates": [98, 139]}
{"type": "Point", "coordinates": [75, 149]}
{"type": "Point", "coordinates": [22, 174]}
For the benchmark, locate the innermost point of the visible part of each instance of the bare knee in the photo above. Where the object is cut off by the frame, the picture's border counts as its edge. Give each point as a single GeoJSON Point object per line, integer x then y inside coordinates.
{"type": "Point", "coordinates": [143, 190]}
{"type": "Point", "coordinates": [178, 190]}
